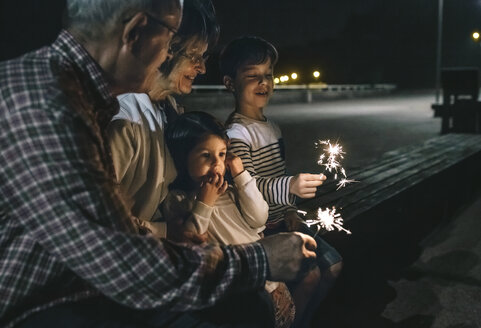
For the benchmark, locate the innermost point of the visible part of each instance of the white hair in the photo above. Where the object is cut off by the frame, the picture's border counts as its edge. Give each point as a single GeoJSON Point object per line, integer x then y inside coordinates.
{"type": "Point", "coordinates": [94, 19]}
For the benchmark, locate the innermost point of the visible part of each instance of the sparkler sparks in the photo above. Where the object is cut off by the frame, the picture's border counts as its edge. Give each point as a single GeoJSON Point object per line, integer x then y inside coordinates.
{"type": "Point", "coordinates": [342, 183]}
{"type": "Point", "coordinates": [330, 159]}
{"type": "Point", "coordinates": [327, 219]}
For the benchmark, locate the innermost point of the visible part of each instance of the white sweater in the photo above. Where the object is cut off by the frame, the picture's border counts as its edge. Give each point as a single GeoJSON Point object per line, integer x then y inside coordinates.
{"type": "Point", "coordinates": [237, 217]}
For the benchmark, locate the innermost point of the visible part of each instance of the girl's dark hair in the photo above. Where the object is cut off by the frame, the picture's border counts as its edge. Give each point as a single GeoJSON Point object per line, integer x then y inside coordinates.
{"type": "Point", "coordinates": [198, 24]}
{"type": "Point", "coordinates": [246, 50]}
{"type": "Point", "coordinates": [182, 135]}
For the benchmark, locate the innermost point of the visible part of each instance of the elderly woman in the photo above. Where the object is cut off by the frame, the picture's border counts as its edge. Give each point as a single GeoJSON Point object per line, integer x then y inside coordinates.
{"type": "Point", "coordinates": [143, 165]}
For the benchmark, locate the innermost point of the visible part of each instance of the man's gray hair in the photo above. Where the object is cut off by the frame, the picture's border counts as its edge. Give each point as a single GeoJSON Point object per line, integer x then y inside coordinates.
{"type": "Point", "coordinates": [94, 19]}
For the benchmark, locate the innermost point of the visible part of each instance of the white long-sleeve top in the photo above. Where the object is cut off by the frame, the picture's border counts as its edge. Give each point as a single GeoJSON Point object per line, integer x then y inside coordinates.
{"type": "Point", "coordinates": [237, 217]}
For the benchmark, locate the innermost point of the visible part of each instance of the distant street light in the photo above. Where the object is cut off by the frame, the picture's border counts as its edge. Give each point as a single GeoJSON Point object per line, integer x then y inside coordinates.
{"type": "Point", "coordinates": [276, 80]}
{"type": "Point", "coordinates": [284, 78]}
{"type": "Point", "coordinates": [476, 39]}
{"type": "Point", "coordinates": [294, 76]}
{"type": "Point", "coordinates": [316, 74]}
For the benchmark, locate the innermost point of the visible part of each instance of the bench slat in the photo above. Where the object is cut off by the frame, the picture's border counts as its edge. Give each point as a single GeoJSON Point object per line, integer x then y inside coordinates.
{"type": "Point", "coordinates": [396, 172]}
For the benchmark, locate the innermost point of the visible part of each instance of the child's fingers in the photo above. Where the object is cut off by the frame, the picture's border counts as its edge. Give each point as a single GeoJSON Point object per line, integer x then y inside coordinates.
{"type": "Point", "coordinates": [312, 177]}
{"type": "Point", "coordinates": [220, 180]}
{"type": "Point", "coordinates": [214, 179]}
{"type": "Point", "coordinates": [312, 183]}
{"type": "Point", "coordinates": [223, 188]}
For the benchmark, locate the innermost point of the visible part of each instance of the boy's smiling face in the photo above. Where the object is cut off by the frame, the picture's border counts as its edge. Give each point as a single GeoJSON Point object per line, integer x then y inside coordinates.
{"type": "Point", "coordinates": [253, 86]}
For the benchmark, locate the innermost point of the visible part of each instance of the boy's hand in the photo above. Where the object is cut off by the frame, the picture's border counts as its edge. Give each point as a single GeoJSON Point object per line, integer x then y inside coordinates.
{"type": "Point", "coordinates": [304, 185]}
{"type": "Point", "coordinates": [211, 189]}
{"type": "Point", "coordinates": [293, 221]}
{"type": "Point", "coordinates": [234, 164]}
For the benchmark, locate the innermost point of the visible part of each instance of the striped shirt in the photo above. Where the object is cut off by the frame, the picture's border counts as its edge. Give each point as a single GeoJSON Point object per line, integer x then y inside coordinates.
{"type": "Point", "coordinates": [64, 231]}
{"type": "Point", "coordinates": [260, 146]}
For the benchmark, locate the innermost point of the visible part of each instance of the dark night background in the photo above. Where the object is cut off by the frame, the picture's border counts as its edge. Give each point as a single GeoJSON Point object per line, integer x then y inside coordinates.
{"type": "Point", "coordinates": [349, 41]}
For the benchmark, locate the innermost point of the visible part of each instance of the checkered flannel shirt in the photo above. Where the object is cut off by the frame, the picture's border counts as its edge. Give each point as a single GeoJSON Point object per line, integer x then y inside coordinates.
{"type": "Point", "coordinates": [65, 234]}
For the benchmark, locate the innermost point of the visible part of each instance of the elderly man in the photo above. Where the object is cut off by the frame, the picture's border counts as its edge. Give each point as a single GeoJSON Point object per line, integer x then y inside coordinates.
{"type": "Point", "coordinates": [70, 254]}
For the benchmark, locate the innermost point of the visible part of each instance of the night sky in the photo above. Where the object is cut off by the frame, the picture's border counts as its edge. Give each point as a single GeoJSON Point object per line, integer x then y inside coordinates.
{"type": "Point", "coordinates": [349, 41]}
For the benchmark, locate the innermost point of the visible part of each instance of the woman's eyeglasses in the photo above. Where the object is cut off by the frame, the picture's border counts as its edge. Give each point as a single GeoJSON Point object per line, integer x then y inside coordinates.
{"type": "Point", "coordinates": [196, 59]}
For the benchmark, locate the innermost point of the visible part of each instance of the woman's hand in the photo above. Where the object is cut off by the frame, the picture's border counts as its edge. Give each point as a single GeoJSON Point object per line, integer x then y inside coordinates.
{"type": "Point", "coordinates": [211, 189]}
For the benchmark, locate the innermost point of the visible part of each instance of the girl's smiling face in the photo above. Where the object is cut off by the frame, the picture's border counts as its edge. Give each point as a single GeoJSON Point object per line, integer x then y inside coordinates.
{"type": "Point", "coordinates": [207, 158]}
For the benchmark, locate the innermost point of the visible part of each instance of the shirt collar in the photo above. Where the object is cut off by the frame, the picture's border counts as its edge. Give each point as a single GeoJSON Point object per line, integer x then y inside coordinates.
{"type": "Point", "coordinates": [71, 49]}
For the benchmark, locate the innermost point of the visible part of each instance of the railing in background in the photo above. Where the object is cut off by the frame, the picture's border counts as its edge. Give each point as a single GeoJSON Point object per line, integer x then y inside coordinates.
{"type": "Point", "coordinates": [311, 89]}
{"type": "Point", "coordinates": [217, 96]}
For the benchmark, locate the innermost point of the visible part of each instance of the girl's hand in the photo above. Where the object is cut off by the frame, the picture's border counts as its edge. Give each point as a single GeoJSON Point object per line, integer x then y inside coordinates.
{"type": "Point", "coordinates": [211, 189]}
{"type": "Point", "coordinates": [234, 164]}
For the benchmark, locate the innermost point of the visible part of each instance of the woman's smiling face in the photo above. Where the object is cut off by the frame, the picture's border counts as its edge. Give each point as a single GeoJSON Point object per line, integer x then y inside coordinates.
{"type": "Point", "coordinates": [190, 64]}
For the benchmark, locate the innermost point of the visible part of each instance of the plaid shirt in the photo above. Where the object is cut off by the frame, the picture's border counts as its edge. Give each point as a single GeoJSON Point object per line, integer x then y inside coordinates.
{"type": "Point", "coordinates": [64, 231]}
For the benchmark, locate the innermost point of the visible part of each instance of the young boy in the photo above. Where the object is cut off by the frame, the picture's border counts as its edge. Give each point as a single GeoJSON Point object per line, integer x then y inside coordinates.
{"type": "Point", "coordinates": [247, 66]}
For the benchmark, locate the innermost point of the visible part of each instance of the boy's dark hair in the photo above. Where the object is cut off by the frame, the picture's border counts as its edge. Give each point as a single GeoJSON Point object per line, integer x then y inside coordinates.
{"type": "Point", "coordinates": [182, 135]}
{"type": "Point", "coordinates": [246, 50]}
{"type": "Point", "coordinates": [198, 24]}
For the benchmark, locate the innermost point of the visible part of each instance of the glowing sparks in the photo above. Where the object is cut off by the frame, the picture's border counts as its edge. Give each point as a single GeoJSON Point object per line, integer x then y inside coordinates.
{"type": "Point", "coordinates": [331, 156]}
{"type": "Point", "coordinates": [343, 182]}
{"type": "Point", "coordinates": [330, 159]}
{"type": "Point", "coordinates": [329, 220]}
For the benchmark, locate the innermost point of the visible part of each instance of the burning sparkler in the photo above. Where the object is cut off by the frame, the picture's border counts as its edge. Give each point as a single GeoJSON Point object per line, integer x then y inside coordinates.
{"type": "Point", "coordinates": [330, 159]}
{"type": "Point", "coordinates": [327, 219]}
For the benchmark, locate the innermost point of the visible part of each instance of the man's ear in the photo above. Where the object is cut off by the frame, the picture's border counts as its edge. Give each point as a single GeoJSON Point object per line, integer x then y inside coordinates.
{"type": "Point", "coordinates": [229, 83]}
{"type": "Point", "coordinates": [133, 29]}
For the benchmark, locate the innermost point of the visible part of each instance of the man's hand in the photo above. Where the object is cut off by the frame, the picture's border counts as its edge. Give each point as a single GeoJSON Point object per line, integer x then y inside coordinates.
{"type": "Point", "coordinates": [234, 164]}
{"type": "Point", "coordinates": [304, 185]}
{"type": "Point", "coordinates": [293, 221]}
{"type": "Point", "coordinates": [288, 254]}
{"type": "Point", "coordinates": [211, 189]}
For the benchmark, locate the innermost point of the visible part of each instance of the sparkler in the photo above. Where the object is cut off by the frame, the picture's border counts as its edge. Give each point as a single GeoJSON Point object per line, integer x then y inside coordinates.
{"type": "Point", "coordinates": [327, 219]}
{"type": "Point", "coordinates": [330, 159]}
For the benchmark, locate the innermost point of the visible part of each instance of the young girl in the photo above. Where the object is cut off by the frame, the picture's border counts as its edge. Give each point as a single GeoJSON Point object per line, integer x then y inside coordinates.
{"type": "Point", "coordinates": [203, 200]}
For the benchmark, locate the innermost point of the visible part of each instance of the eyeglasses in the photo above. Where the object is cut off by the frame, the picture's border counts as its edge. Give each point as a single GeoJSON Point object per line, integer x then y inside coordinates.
{"type": "Point", "coordinates": [158, 21]}
{"type": "Point", "coordinates": [163, 24]}
{"type": "Point", "coordinates": [196, 59]}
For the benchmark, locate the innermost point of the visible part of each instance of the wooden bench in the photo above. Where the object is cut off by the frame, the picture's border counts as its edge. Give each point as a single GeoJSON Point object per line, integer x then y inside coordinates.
{"type": "Point", "coordinates": [400, 198]}
{"type": "Point", "coordinates": [401, 170]}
